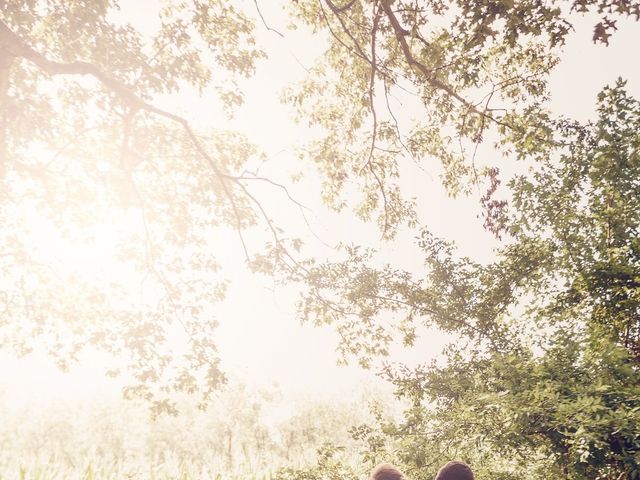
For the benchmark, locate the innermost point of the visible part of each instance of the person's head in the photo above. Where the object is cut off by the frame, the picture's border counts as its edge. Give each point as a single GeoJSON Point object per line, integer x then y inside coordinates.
{"type": "Point", "coordinates": [386, 471]}
{"type": "Point", "coordinates": [455, 471]}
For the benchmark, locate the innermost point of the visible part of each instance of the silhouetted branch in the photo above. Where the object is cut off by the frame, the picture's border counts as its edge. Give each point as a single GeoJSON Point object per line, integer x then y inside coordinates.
{"type": "Point", "coordinates": [264, 21]}
{"type": "Point", "coordinates": [12, 45]}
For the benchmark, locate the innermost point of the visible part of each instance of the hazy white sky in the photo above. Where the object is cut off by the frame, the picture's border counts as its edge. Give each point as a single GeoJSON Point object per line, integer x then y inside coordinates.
{"type": "Point", "coordinates": [259, 338]}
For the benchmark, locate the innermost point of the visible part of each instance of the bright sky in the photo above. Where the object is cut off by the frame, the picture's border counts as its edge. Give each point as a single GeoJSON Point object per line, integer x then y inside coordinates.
{"type": "Point", "coordinates": [259, 338]}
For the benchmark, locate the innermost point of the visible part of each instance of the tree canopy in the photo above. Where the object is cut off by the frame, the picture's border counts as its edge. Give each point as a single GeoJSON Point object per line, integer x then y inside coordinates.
{"type": "Point", "coordinates": [92, 142]}
{"type": "Point", "coordinates": [543, 379]}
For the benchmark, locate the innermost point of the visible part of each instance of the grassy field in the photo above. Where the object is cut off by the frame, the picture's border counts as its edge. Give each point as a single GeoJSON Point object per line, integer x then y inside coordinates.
{"type": "Point", "coordinates": [246, 434]}
{"type": "Point", "coordinates": [97, 471]}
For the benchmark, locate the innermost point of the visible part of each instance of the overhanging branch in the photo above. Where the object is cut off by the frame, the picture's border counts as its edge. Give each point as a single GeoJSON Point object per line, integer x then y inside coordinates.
{"type": "Point", "coordinates": [12, 46]}
{"type": "Point", "coordinates": [427, 73]}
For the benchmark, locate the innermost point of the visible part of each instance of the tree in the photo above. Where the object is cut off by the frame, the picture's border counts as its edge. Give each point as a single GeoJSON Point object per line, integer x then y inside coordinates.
{"type": "Point", "coordinates": [85, 144]}
{"type": "Point", "coordinates": [469, 71]}
{"type": "Point", "coordinates": [545, 377]}
{"type": "Point", "coordinates": [79, 153]}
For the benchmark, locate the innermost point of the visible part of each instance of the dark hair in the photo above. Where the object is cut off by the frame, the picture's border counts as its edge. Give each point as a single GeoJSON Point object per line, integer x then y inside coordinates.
{"type": "Point", "coordinates": [455, 471]}
{"type": "Point", "coordinates": [386, 471]}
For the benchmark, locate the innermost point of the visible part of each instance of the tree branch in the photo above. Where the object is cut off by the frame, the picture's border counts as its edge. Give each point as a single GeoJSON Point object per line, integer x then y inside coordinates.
{"type": "Point", "coordinates": [336, 9]}
{"type": "Point", "coordinates": [264, 22]}
{"type": "Point", "coordinates": [16, 47]}
{"type": "Point", "coordinates": [427, 73]}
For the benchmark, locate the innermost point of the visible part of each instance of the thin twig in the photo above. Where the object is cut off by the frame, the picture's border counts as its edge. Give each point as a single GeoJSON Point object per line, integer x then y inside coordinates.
{"type": "Point", "coordinates": [265, 22]}
{"type": "Point", "coordinates": [276, 184]}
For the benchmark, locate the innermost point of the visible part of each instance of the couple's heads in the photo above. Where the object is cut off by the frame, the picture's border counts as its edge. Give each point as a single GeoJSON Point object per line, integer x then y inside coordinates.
{"type": "Point", "coordinates": [455, 471]}
{"type": "Point", "coordinates": [450, 471]}
{"type": "Point", "coordinates": [386, 471]}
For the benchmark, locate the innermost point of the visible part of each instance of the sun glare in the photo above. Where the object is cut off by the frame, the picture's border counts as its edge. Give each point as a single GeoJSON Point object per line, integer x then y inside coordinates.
{"type": "Point", "coordinates": [295, 239]}
{"type": "Point", "coordinates": [88, 250]}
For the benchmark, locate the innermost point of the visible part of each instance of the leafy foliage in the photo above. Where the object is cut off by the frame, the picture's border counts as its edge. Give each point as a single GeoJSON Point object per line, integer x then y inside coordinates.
{"type": "Point", "coordinates": [79, 154]}
{"type": "Point", "coordinates": [544, 379]}
{"type": "Point", "coordinates": [469, 71]}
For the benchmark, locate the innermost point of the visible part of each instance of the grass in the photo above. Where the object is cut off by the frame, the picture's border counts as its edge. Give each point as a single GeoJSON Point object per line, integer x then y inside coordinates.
{"type": "Point", "coordinates": [105, 471]}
